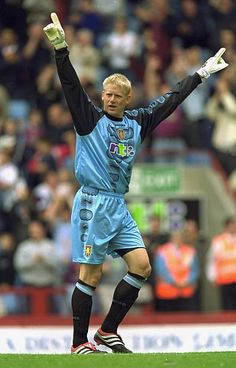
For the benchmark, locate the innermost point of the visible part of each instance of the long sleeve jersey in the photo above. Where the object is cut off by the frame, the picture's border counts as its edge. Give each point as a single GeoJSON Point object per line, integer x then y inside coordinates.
{"type": "Point", "coordinates": [106, 146]}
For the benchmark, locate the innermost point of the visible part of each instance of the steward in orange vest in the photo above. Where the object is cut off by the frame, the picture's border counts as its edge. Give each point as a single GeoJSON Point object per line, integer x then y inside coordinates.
{"type": "Point", "coordinates": [221, 263]}
{"type": "Point", "coordinates": [177, 269]}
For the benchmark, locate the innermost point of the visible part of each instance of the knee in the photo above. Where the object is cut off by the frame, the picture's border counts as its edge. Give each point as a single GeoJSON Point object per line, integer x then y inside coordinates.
{"type": "Point", "coordinates": [147, 271]}
{"type": "Point", "coordinates": [90, 277]}
{"type": "Point", "coordinates": [94, 279]}
{"type": "Point", "coordinates": [143, 270]}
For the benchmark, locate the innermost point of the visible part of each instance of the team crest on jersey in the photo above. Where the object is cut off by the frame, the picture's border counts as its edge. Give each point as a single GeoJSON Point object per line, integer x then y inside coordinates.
{"type": "Point", "coordinates": [88, 250]}
{"type": "Point", "coordinates": [121, 133]}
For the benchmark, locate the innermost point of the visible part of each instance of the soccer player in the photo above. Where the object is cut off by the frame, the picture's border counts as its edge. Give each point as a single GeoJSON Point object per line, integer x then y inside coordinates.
{"type": "Point", "coordinates": [107, 141]}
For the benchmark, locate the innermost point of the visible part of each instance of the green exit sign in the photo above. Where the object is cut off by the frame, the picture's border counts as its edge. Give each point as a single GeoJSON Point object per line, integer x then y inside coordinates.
{"type": "Point", "coordinates": [156, 179]}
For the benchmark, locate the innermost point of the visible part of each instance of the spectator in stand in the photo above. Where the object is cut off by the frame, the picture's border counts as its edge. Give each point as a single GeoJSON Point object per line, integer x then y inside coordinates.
{"type": "Point", "coordinates": [179, 65]}
{"type": "Point", "coordinates": [14, 74]}
{"type": "Point", "coordinates": [69, 140]}
{"type": "Point", "coordinates": [13, 187]}
{"type": "Point", "coordinates": [221, 110]}
{"type": "Point", "coordinates": [221, 264]}
{"type": "Point", "coordinates": [223, 13]}
{"type": "Point", "coordinates": [176, 269]}
{"type": "Point", "coordinates": [13, 132]}
{"type": "Point", "coordinates": [8, 301]}
{"type": "Point", "coordinates": [13, 15]}
{"type": "Point", "coordinates": [55, 186]}
{"type": "Point", "coordinates": [158, 16]}
{"type": "Point", "coordinates": [227, 38]}
{"type": "Point", "coordinates": [40, 162]}
{"type": "Point", "coordinates": [57, 215]}
{"type": "Point", "coordinates": [35, 52]}
{"type": "Point", "coordinates": [66, 185]}
{"type": "Point", "coordinates": [166, 141]}
{"type": "Point", "coordinates": [47, 89]}
{"type": "Point", "coordinates": [38, 10]}
{"type": "Point", "coordinates": [34, 129]}
{"type": "Point", "coordinates": [120, 46]}
{"type": "Point", "coordinates": [147, 57]}
{"type": "Point", "coordinates": [109, 9]}
{"type": "Point", "coordinates": [191, 26]}
{"type": "Point", "coordinates": [152, 77]}
{"type": "Point", "coordinates": [43, 194]}
{"type": "Point", "coordinates": [83, 14]}
{"type": "Point", "coordinates": [35, 258]}
{"type": "Point", "coordinates": [85, 56]}
{"type": "Point", "coordinates": [58, 122]}
{"type": "Point", "coordinates": [196, 128]}
{"type": "Point", "coordinates": [9, 175]}
{"type": "Point", "coordinates": [24, 210]}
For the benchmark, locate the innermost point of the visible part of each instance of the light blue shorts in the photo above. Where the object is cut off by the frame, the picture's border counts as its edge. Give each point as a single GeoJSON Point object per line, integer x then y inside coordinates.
{"type": "Point", "coordinates": [101, 224]}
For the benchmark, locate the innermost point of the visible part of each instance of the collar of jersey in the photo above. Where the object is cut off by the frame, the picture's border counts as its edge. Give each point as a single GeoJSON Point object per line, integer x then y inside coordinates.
{"type": "Point", "coordinates": [112, 117]}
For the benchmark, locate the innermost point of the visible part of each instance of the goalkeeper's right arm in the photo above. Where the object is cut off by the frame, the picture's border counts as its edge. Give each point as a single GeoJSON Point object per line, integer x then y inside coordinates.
{"type": "Point", "coordinates": [55, 33]}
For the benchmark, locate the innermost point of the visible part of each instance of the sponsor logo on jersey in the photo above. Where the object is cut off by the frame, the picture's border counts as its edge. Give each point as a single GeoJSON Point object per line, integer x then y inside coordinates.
{"type": "Point", "coordinates": [121, 149]}
{"type": "Point", "coordinates": [88, 250]}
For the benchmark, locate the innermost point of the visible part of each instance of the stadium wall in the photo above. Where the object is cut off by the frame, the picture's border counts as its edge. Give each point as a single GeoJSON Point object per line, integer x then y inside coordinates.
{"type": "Point", "coordinates": [139, 338]}
{"type": "Point", "coordinates": [149, 333]}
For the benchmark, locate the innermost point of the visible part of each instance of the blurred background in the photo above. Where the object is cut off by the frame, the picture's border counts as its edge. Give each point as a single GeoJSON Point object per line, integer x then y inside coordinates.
{"type": "Point", "coordinates": [183, 190]}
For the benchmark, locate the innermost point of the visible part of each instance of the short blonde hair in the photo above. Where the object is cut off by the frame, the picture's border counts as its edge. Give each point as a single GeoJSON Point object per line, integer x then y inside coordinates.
{"type": "Point", "coordinates": [119, 80]}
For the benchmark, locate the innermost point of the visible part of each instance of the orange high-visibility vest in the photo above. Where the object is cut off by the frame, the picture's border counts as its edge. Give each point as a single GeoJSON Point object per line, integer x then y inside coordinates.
{"type": "Point", "coordinates": [178, 261]}
{"type": "Point", "coordinates": [225, 258]}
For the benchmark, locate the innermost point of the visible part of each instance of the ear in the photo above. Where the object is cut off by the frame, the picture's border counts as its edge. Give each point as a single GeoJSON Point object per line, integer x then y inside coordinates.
{"type": "Point", "coordinates": [128, 99]}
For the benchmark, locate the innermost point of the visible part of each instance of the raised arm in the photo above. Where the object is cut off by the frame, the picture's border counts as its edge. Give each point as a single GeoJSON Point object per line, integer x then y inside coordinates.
{"type": "Point", "coordinates": [84, 113]}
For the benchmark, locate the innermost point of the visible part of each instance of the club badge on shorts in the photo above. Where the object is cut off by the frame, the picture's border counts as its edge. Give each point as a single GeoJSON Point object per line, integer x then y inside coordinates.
{"type": "Point", "coordinates": [88, 250]}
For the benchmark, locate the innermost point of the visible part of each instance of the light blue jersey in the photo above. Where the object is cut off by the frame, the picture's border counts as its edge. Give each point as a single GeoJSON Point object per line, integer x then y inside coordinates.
{"type": "Point", "coordinates": [104, 158]}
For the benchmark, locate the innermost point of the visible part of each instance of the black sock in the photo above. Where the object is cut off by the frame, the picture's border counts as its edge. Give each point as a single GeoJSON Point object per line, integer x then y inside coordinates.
{"type": "Point", "coordinates": [81, 303]}
{"type": "Point", "coordinates": [124, 297]}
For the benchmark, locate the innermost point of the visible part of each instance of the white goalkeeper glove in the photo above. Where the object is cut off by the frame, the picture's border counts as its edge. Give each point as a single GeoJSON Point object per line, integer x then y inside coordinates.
{"type": "Point", "coordinates": [55, 33]}
{"type": "Point", "coordinates": [212, 65]}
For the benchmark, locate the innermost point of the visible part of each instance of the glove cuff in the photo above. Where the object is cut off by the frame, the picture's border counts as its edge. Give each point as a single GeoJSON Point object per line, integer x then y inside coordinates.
{"type": "Point", "coordinates": [61, 45]}
{"type": "Point", "coordinates": [204, 74]}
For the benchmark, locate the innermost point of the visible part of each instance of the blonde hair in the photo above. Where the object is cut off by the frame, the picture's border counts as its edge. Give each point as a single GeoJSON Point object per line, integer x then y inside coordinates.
{"type": "Point", "coordinates": [119, 80]}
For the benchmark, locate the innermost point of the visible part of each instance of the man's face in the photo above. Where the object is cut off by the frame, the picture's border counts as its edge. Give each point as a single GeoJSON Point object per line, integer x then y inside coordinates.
{"type": "Point", "coordinates": [36, 231]}
{"type": "Point", "coordinates": [115, 100]}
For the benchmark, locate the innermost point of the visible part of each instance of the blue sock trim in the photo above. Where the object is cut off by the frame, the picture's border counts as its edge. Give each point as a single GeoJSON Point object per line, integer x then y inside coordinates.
{"type": "Point", "coordinates": [133, 281]}
{"type": "Point", "coordinates": [84, 288]}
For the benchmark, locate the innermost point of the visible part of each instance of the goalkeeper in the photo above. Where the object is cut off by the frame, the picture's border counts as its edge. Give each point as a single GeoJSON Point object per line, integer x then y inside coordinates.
{"type": "Point", "coordinates": [107, 141]}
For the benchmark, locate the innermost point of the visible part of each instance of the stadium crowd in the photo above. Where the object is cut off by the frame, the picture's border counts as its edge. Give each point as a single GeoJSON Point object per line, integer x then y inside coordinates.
{"type": "Point", "coordinates": [155, 43]}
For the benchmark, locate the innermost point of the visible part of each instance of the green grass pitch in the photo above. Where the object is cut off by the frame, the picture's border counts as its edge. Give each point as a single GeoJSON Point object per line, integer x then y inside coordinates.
{"type": "Point", "coordinates": [162, 360]}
